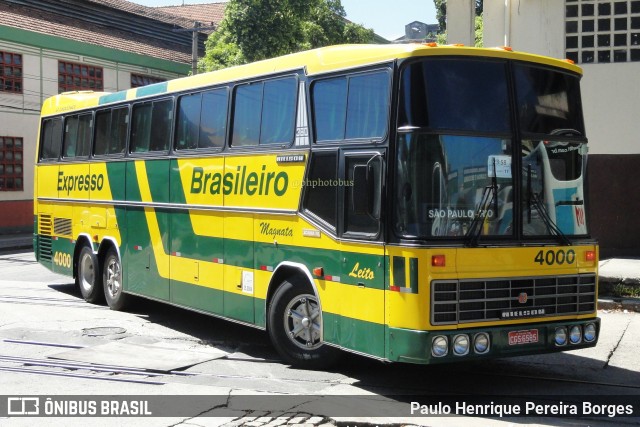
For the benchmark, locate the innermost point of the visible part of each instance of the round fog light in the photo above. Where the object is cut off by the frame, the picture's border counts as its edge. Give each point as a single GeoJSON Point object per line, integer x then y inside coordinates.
{"type": "Point", "coordinates": [575, 335]}
{"type": "Point", "coordinates": [589, 332]}
{"type": "Point", "coordinates": [561, 336]}
{"type": "Point", "coordinates": [439, 346]}
{"type": "Point", "coordinates": [481, 343]}
{"type": "Point", "coordinates": [461, 345]}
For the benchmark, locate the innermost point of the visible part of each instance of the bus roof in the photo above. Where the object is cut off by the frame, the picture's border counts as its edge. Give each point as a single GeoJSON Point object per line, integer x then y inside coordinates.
{"type": "Point", "coordinates": [316, 61]}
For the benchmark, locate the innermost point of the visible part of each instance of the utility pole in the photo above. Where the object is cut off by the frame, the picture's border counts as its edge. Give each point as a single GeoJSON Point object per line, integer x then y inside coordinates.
{"type": "Point", "coordinates": [197, 27]}
{"type": "Point", "coordinates": [194, 48]}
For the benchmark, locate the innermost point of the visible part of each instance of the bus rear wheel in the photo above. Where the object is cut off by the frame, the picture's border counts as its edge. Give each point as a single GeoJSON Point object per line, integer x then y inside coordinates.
{"type": "Point", "coordinates": [88, 276]}
{"type": "Point", "coordinates": [112, 277]}
{"type": "Point", "coordinates": [295, 322]}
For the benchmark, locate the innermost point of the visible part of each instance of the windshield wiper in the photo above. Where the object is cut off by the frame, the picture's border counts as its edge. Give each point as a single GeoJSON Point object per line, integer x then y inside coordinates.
{"type": "Point", "coordinates": [533, 198]}
{"type": "Point", "coordinates": [489, 195]}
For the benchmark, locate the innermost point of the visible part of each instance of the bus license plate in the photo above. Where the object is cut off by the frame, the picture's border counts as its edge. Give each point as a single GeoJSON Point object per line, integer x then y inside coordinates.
{"type": "Point", "coordinates": [523, 337]}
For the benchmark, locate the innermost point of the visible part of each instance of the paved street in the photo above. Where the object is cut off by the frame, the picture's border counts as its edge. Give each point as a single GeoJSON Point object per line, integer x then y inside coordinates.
{"type": "Point", "coordinates": [42, 315]}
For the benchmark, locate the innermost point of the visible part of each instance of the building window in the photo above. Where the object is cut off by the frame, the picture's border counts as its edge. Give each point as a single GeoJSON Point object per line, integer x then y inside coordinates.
{"type": "Point", "coordinates": [602, 31]}
{"type": "Point", "coordinates": [73, 76]}
{"type": "Point", "coordinates": [138, 80]}
{"type": "Point", "coordinates": [10, 72]}
{"type": "Point", "coordinates": [11, 175]}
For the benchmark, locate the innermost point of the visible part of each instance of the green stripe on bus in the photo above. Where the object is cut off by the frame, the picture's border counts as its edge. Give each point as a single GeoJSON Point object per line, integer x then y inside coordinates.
{"type": "Point", "coordinates": [157, 172]}
{"type": "Point", "coordinates": [116, 173]}
{"type": "Point", "coordinates": [112, 97]}
{"type": "Point", "coordinates": [354, 334]}
{"type": "Point", "coordinates": [153, 89]}
{"type": "Point", "coordinates": [198, 297]}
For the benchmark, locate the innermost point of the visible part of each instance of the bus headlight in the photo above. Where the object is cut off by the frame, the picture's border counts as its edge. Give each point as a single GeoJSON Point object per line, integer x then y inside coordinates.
{"type": "Point", "coordinates": [481, 343]}
{"type": "Point", "coordinates": [439, 346]}
{"type": "Point", "coordinates": [589, 332]}
{"type": "Point", "coordinates": [561, 336]}
{"type": "Point", "coordinates": [461, 345]}
{"type": "Point", "coordinates": [575, 334]}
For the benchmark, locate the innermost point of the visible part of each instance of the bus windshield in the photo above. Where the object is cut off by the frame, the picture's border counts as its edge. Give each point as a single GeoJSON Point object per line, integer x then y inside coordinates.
{"type": "Point", "coordinates": [454, 168]}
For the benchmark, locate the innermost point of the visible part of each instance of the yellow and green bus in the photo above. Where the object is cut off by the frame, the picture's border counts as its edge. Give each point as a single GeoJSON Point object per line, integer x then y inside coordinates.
{"type": "Point", "coordinates": [412, 203]}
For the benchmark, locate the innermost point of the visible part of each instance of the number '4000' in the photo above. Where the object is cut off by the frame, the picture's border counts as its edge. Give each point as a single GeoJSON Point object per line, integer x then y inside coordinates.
{"type": "Point", "coordinates": [552, 257]}
{"type": "Point", "coordinates": [62, 259]}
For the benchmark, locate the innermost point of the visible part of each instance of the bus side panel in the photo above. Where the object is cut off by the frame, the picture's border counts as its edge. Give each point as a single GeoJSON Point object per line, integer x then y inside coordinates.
{"type": "Point", "coordinates": [197, 244]}
{"type": "Point", "coordinates": [238, 267]}
{"type": "Point", "coordinates": [362, 298]}
{"type": "Point", "coordinates": [46, 186]}
{"type": "Point", "coordinates": [73, 185]}
{"type": "Point", "coordinates": [147, 229]}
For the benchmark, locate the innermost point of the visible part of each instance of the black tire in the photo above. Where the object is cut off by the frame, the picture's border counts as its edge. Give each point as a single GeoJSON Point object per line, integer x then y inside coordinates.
{"type": "Point", "coordinates": [88, 277]}
{"type": "Point", "coordinates": [112, 279]}
{"type": "Point", "coordinates": [294, 307]}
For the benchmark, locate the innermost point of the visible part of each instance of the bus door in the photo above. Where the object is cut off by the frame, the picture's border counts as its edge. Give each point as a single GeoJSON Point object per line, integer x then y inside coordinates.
{"type": "Point", "coordinates": [147, 266]}
{"type": "Point", "coordinates": [362, 252]}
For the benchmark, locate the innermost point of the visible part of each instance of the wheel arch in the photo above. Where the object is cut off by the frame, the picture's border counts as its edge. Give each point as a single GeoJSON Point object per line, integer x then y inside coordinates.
{"type": "Point", "coordinates": [282, 272]}
{"type": "Point", "coordinates": [107, 243]}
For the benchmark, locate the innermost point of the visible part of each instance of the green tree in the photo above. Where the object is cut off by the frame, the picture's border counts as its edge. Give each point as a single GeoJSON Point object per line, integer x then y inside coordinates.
{"type": "Point", "coordinates": [441, 14]}
{"type": "Point", "coordinates": [259, 29]}
{"type": "Point", "coordinates": [479, 31]}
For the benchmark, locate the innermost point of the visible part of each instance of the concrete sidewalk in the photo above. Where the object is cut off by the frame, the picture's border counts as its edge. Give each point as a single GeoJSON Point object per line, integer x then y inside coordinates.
{"type": "Point", "coordinates": [618, 272]}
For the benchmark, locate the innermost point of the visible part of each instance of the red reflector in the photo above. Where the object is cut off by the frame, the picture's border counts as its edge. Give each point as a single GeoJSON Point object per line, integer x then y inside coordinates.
{"type": "Point", "coordinates": [590, 255]}
{"type": "Point", "coordinates": [318, 271]}
{"type": "Point", "coordinates": [438, 261]}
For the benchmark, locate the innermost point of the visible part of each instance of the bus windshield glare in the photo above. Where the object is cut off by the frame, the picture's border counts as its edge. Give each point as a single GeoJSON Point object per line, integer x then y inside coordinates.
{"type": "Point", "coordinates": [456, 144]}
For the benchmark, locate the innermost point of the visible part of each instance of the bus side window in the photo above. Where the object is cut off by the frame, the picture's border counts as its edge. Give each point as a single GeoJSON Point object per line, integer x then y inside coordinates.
{"type": "Point", "coordinates": [353, 107]}
{"type": "Point", "coordinates": [330, 108]}
{"type": "Point", "coordinates": [102, 131]}
{"type": "Point", "coordinates": [77, 136]}
{"type": "Point", "coordinates": [51, 140]}
{"type": "Point", "coordinates": [278, 111]}
{"type": "Point", "coordinates": [70, 136]}
{"type": "Point", "coordinates": [247, 115]}
{"type": "Point", "coordinates": [161, 118]}
{"type": "Point", "coordinates": [265, 112]}
{"type": "Point", "coordinates": [141, 128]}
{"type": "Point", "coordinates": [367, 106]}
{"type": "Point", "coordinates": [213, 118]}
{"type": "Point", "coordinates": [118, 126]}
{"type": "Point", "coordinates": [188, 125]}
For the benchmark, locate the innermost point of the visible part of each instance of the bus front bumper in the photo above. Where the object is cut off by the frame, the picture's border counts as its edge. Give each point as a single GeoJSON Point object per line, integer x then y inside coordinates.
{"type": "Point", "coordinates": [426, 347]}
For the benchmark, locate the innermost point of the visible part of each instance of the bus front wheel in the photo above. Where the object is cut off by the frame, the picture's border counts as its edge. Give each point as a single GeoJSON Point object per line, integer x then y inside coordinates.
{"type": "Point", "coordinates": [112, 277]}
{"type": "Point", "coordinates": [88, 276]}
{"type": "Point", "coordinates": [295, 322]}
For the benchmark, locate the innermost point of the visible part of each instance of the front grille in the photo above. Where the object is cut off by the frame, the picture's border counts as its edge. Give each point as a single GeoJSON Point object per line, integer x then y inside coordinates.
{"type": "Point", "coordinates": [464, 301]}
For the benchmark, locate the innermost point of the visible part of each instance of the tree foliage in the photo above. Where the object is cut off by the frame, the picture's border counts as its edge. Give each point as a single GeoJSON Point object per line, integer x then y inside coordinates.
{"type": "Point", "coordinates": [259, 29]}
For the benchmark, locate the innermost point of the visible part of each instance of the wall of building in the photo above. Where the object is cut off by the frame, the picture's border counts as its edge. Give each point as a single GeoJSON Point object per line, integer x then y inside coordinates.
{"type": "Point", "coordinates": [461, 29]}
{"type": "Point", "coordinates": [529, 26]}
